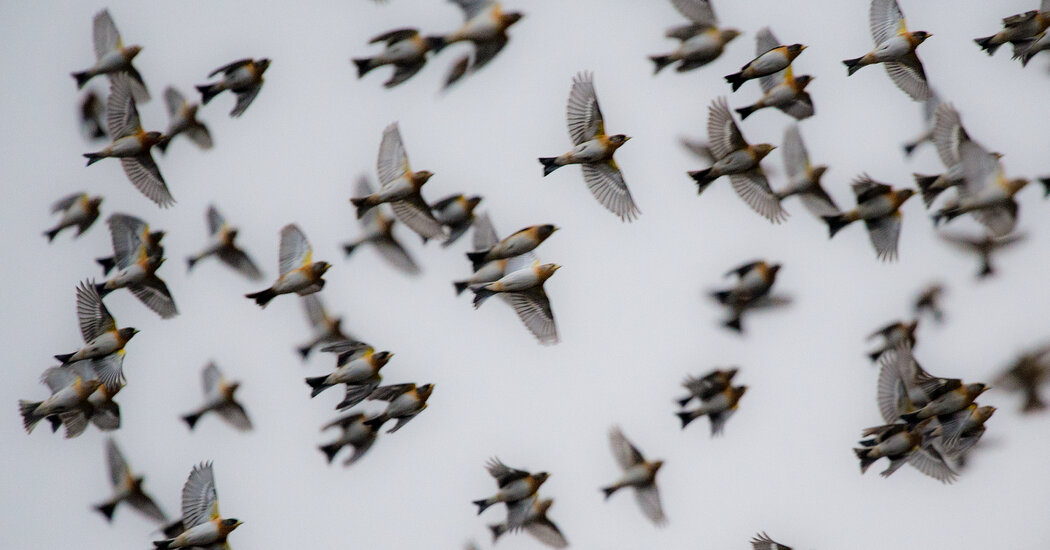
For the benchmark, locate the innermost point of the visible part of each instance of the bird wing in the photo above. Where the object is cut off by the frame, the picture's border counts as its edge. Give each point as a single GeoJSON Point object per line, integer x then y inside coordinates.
{"type": "Point", "coordinates": [884, 233]}
{"type": "Point", "coordinates": [295, 250]}
{"type": "Point", "coordinates": [240, 261]}
{"type": "Point", "coordinates": [395, 35]}
{"type": "Point", "coordinates": [504, 474]}
{"type": "Point", "coordinates": [143, 503]}
{"type": "Point", "coordinates": [230, 67]}
{"type": "Point", "coordinates": [392, 251]}
{"type": "Point", "coordinates": [94, 318]}
{"type": "Point", "coordinates": [649, 500]}
{"type": "Point", "coordinates": [245, 98]}
{"type": "Point", "coordinates": [146, 177]}
{"type": "Point", "coordinates": [886, 20]}
{"type": "Point", "coordinates": [110, 370]}
{"type": "Point", "coordinates": [392, 163]}
{"type": "Point", "coordinates": [796, 159]}
{"type": "Point", "coordinates": [485, 236]}
{"type": "Point", "coordinates": [414, 212]}
{"type": "Point", "coordinates": [118, 466]}
{"type": "Point", "coordinates": [534, 309]}
{"type": "Point", "coordinates": [200, 502]}
{"type": "Point", "coordinates": [389, 393]}
{"type": "Point", "coordinates": [697, 11]}
{"type": "Point", "coordinates": [800, 108]}
{"type": "Point", "coordinates": [753, 187]}
{"type": "Point", "coordinates": [403, 72]}
{"type": "Point", "coordinates": [315, 310]}
{"type": "Point", "coordinates": [174, 100]}
{"type": "Point", "coordinates": [235, 415]}
{"type": "Point", "coordinates": [105, 35]}
{"type": "Point", "coordinates": [126, 233]}
{"type": "Point", "coordinates": [545, 531]}
{"type": "Point", "coordinates": [765, 41]}
{"type": "Point", "coordinates": [154, 293]}
{"type": "Point", "coordinates": [762, 541]}
{"type": "Point", "coordinates": [605, 181]}
{"type": "Point", "coordinates": [200, 135]}
{"type": "Point", "coordinates": [211, 378]}
{"type": "Point", "coordinates": [122, 117]}
{"type": "Point", "coordinates": [930, 462]}
{"type": "Point", "coordinates": [65, 202]}
{"type": "Point", "coordinates": [909, 76]}
{"type": "Point", "coordinates": [487, 50]}
{"type": "Point", "coordinates": [865, 188]}
{"type": "Point", "coordinates": [215, 220]}
{"type": "Point", "coordinates": [582, 113]}
{"type": "Point", "coordinates": [472, 7]}
{"type": "Point", "coordinates": [625, 453]}
{"type": "Point", "coordinates": [948, 133]}
{"type": "Point", "coordinates": [722, 133]}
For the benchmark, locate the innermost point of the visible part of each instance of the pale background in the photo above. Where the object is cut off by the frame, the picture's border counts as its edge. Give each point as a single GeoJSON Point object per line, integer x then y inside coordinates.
{"type": "Point", "coordinates": [629, 303]}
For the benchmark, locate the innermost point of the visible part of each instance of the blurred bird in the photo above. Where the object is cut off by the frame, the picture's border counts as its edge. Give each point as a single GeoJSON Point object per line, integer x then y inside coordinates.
{"type": "Point", "coordinates": [754, 281]}
{"type": "Point", "coordinates": [326, 328]}
{"type": "Point", "coordinates": [406, 401]}
{"type": "Point", "coordinates": [1026, 50]}
{"type": "Point", "coordinates": [457, 71]}
{"type": "Point", "coordinates": [701, 41]}
{"type": "Point", "coordinates": [895, 49]}
{"type": "Point", "coordinates": [516, 244]}
{"type": "Point", "coordinates": [947, 135]}
{"type": "Point", "coordinates": [894, 335]}
{"type": "Point", "coordinates": [1018, 29]}
{"type": "Point", "coordinates": [243, 77]}
{"type": "Point", "coordinates": [183, 115]}
{"type": "Point", "coordinates": [112, 56]}
{"type": "Point", "coordinates": [983, 247]}
{"type": "Point", "coordinates": [904, 444]}
{"type": "Point", "coordinates": [92, 111]}
{"type": "Point", "coordinates": [131, 144]}
{"type": "Point", "coordinates": [740, 161]}
{"type": "Point", "coordinates": [485, 25]}
{"type": "Point", "coordinates": [766, 63]}
{"type": "Point", "coordinates": [762, 541]}
{"type": "Point", "coordinates": [929, 107]}
{"type": "Point", "coordinates": [878, 205]}
{"type": "Point", "coordinates": [1025, 375]}
{"type": "Point", "coordinates": [929, 301]}
{"type": "Point", "coordinates": [780, 89]}
{"type": "Point", "coordinates": [803, 177]}
{"type": "Point", "coordinates": [533, 512]}
{"type": "Point", "coordinates": [78, 210]}
{"type": "Point", "coordinates": [961, 430]}
{"type": "Point", "coordinates": [455, 212]}
{"type": "Point", "coordinates": [718, 408]}
{"type": "Point", "coordinates": [100, 409]}
{"type": "Point", "coordinates": [593, 150]}
{"type": "Point", "coordinates": [485, 239]}
{"type": "Point", "coordinates": [221, 244]}
{"type": "Point", "coordinates": [400, 187]}
{"type": "Point", "coordinates": [103, 341]}
{"type": "Point", "coordinates": [639, 474]}
{"type": "Point", "coordinates": [522, 288]}
{"type": "Point", "coordinates": [126, 488]}
{"type": "Point", "coordinates": [204, 526]}
{"type": "Point", "coordinates": [219, 398]}
{"type": "Point", "coordinates": [949, 402]}
{"type": "Point", "coordinates": [136, 268]}
{"type": "Point", "coordinates": [405, 49]}
{"type": "Point", "coordinates": [129, 229]}
{"type": "Point", "coordinates": [378, 231]}
{"type": "Point", "coordinates": [358, 367]}
{"type": "Point", "coordinates": [298, 272]}
{"type": "Point", "coordinates": [514, 485]}
{"type": "Point", "coordinates": [355, 433]}
{"type": "Point", "coordinates": [707, 386]}
{"type": "Point", "coordinates": [70, 386]}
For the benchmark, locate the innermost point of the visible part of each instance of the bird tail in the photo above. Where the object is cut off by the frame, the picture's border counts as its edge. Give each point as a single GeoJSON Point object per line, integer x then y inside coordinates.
{"type": "Point", "coordinates": [51, 233]}
{"type": "Point", "coordinates": [318, 384]}
{"type": "Point", "coordinates": [722, 296]}
{"type": "Point", "coordinates": [29, 416]}
{"type": "Point", "coordinates": [349, 248]}
{"type": "Point", "coordinates": [190, 262]}
{"type": "Point", "coordinates": [608, 491]}
{"type": "Point", "coordinates": [660, 61]}
{"type": "Point", "coordinates": [377, 422]}
{"type": "Point", "coordinates": [852, 65]}
{"type": "Point", "coordinates": [986, 268]}
{"type": "Point", "coordinates": [436, 43]}
{"type": "Point", "coordinates": [987, 45]}
{"type": "Point", "coordinates": [162, 544]}
{"type": "Point", "coordinates": [262, 297]}
{"type": "Point", "coordinates": [909, 148]}
{"type": "Point", "coordinates": [734, 324]}
{"type": "Point", "coordinates": [82, 78]}
{"type": "Point", "coordinates": [836, 223]}
{"type": "Point", "coordinates": [191, 419]}
{"type": "Point", "coordinates": [304, 351]}
{"type": "Point", "coordinates": [208, 91]}
{"type": "Point", "coordinates": [497, 531]}
{"type": "Point", "coordinates": [64, 358]}
{"type": "Point", "coordinates": [550, 164]}
{"type": "Point", "coordinates": [363, 205]}
{"type": "Point", "coordinates": [56, 422]}
{"type": "Point", "coordinates": [483, 504]}
{"type": "Point", "coordinates": [477, 258]}
{"type": "Point", "coordinates": [480, 295]}
{"type": "Point", "coordinates": [736, 79]}
{"type": "Point", "coordinates": [107, 509]}
{"type": "Point", "coordinates": [745, 112]}
{"type": "Point", "coordinates": [330, 450]}
{"type": "Point", "coordinates": [703, 179]}
{"type": "Point", "coordinates": [686, 417]}
{"type": "Point", "coordinates": [93, 158]}
{"type": "Point", "coordinates": [866, 460]}
{"type": "Point", "coordinates": [106, 263]}
{"type": "Point", "coordinates": [164, 143]}
{"type": "Point", "coordinates": [685, 401]}
{"type": "Point", "coordinates": [460, 286]}
{"type": "Point", "coordinates": [927, 189]}
{"type": "Point", "coordinates": [363, 66]}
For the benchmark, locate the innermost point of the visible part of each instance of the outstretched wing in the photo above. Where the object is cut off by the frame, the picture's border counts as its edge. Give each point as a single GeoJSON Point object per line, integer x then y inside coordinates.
{"type": "Point", "coordinates": [200, 502]}
{"type": "Point", "coordinates": [582, 113]}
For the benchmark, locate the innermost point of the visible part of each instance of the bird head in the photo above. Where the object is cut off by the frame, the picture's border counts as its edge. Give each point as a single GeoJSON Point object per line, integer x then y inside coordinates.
{"type": "Point", "coordinates": [472, 202]}
{"type": "Point", "coordinates": [729, 34]}
{"type": "Point", "coordinates": [795, 49]}
{"type": "Point", "coordinates": [131, 51]}
{"type": "Point", "coordinates": [424, 391]}
{"type": "Point", "coordinates": [127, 333]}
{"type": "Point", "coordinates": [540, 477]}
{"type": "Point", "coordinates": [94, 202]}
{"type": "Point", "coordinates": [818, 172]}
{"type": "Point", "coordinates": [618, 140]}
{"type": "Point", "coordinates": [421, 177]}
{"type": "Point", "coordinates": [261, 65]}
{"type": "Point", "coordinates": [382, 358]}
{"type": "Point", "coordinates": [763, 149]}
{"type": "Point", "coordinates": [155, 237]}
{"type": "Point", "coordinates": [511, 18]}
{"type": "Point", "coordinates": [803, 81]}
{"type": "Point", "coordinates": [546, 230]}
{"type": "Point", "coordinates": [920, 36]}
{"type": "Point", "coordinates": [319, 268]}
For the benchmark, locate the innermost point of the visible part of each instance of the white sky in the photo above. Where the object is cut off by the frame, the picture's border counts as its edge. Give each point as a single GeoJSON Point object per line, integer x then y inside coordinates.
{"type": "Point", "coordinates": [629, 302]}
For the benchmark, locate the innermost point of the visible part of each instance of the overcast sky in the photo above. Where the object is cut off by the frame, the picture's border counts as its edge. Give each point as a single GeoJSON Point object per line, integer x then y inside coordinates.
{"type": "Point", "coordinates": [630, 302]}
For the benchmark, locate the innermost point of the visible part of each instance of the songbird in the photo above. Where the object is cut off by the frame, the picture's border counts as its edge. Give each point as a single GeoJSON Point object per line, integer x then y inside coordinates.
{"type": "Point", "coordinates": [377, 230]}
{"type": "Point", "coordinates": [78, 210]}
{"type": "Point", "coordinates": [533, 513]}
{"type": "Point", "coordinates": [878, 204]}
{"type": "Point", "coordinates": [1025, 375]}
{"type": "Point", "coordinates": [895, 49]}
{"type": "Point", "coordinates": [751, 291]}
{"type": "Point", "coordinates": [127, 488]}
{"type": "Point", "coordinates": [518, 243]}
{"type": "Point", "coordinates": [183, 115]}
{"type": "Point", "coordinates": [129, 229]}
{"type": "Point", "coordinates": [358, 368]}
{"type": "Point", "coordinates": [593, 150]}
{"type": "Point", "coordinates": [803, 177]}
{"type": "Point", "coordinates": [203, 525]}
{"type": "Point", "coordinates": [718, 408]}
{"type": "Point", "coordinates": [92, 111]}
{"type": "Point", "coordinates": [355, 433]}
{"type": "Point", "coordinates": [929, 301]}
{"type": "Point", "coordinates": [406, 51]}
{"type": "Point", "coordinates": [219, 398]}
{"type": "Point", "coordinates": [456, 213]}
{"type": "Point", "coordinates": [949, 402]}
{"type": "Point", "coordinates": [243, 77]}
{"type": "Point", "coordinates": [485, 25]}
{"type": "Point", "coordinates": [707, 386]}
{"type": "Point", "coordinates": [983, 247]}
{"type": "Point", "coordinates": [222, 245]}
{"type": "Point", "coordinates": [136, 267]}
{"type": "Point", "coordinates": [1018, 29]}
{"type": "Point", "coordinates": [903, 444]}
{"type": "Point", "coordinates": [514, 485]}
{"type": "Point", "coordinates": [406, 401]}
{"type": "Point", "coordinates": [484, 239]}
{"type": "Point", "coordinates": [400, 187]}
{"type": "Point", "coordinates": [298, 272]}
{"type": "Point", "coordinates": [781, 89]}
{"type": "Point", "coordinates": [894, 335]}
{"type": "Point", "coordinates": [701, 41]}
{"type": "Point", "coordinates": [112, 56]}
{"type": "Point", "coordinates": [326, 328]}
{"type": "Point", "coordinates": [961, 430]}
{"type": "Point", "coordinates": [131, 144]}
{"type": "Point", "coordinates": [740, 161]}
{"type": "Point", "coordinates": [70, 386]}
{"type": "Point", "coordinates": [639, 474]}
{"type": "Point", "coordinates": [522, 287]}
{"type": "Point", "coordinates": [103, 341]}
{"type": "Point", "coordinates": [771, 61]}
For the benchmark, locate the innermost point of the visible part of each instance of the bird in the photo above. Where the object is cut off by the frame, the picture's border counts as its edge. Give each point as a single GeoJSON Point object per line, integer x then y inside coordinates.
{"type": "Point", "coordinates": [947, 134]}
{"type": "Point", "coordinates": [112, 57]}
{"type": "Point", "coordinates": [929, 107]}
{"type": "Point", "coordinates": [405, 402]}
{"type": "Point", "coordinates": [514, 485]}
{"type": "Point", "coordinates": [1029, 371]}
{"type": "Point", "coordinates": [78, 210]}
{"type": "Point", "coordinates": [183, 115]}
{"type": "Point", "coordinates": [740, 161]}
{"type": "Point", "coordinates": [358, 368]}
{"type": "Point", "coordinates": [752, 290]}
{"type": "Point", "coordinates": [485, 25]}
{"type": "Point", "coordinates": [904, 444]}
{"type": "Point", "coordinates": [71, 386]}
{"type": "Point", "coordinates": [355, 433]}
{"type": "Point", "coordinates": [377, 230]}
{"type": "Point", "coordinates": [298, 272]}
{"type": "Point", "coordinates": [593, 150]}
{"type": "Point", "coordinates": [219, 398]}
{"type": "Point", "coordinates": [485, 239]}
{"type": "Point", "coordinates": [520, 242]}
{"type": "Point", "coordinates": [127, 487]}
{"type": "Point", "coordinates": [131, 144]}
{"type": "Point", "coordinates": [400, 187]}
{"type": "Point", "coordinates": [522, 288]}
{"type": "Point", "coordinates": [895, 49]}
{"type": "Point", "coordinates": [894, 335]}
{"type": "Point", "coordinates": [878, 204]}
{"type": "Point", "coordinates": [781, 89]}
{"type": "Point", "coordinates": [92, 112]}
{"type": "Point", "coordinates": [203, 525]}
{"type": "Point", "coordinates": [456, 213]}
{"type": "Point", "coordinates": [707, 386]}
{"type": "Point", "coordinates": [984, 247]}
{"type": "Point", "coordinates": [243, 77]}
{"type": "Point", "coordinates": [533, 511]}
{"type": "Point", "coordinates": [803, 177]}
{"type": "Point", "coordinates": [701, 41]}
{"type": "Point", "coordinates": [718, 408]}
{"type": "Point", "coordinates": [103, 341]}
{"type": "Point", "coordinates": [761, 541]}
{"type": "Point", "coordinates": [639, 474]}
{"type": "Point", "coordinates": [406, 50]}
{"type": "Point", "coordinates": [222, 245]}
{"type": "Point", "coordinates": [1018, 29]}
{"type": "Point", "coordinates": [128, 229]}
{"type": "Point", "coordinates": [768, 62]}
{"type": "Point", "coordinates": [136, 267]}
{"type": "Point", "coordinates": [929, 301]}
{"type": "Point", "coordinates": [326, 328]}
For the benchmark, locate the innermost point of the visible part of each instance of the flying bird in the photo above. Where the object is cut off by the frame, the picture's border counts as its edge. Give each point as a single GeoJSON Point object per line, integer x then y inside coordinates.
{"type": "Point", "coordinates": [485, 26]}
{"type": "Point", "coordinates": [803, 177]}
{"type": "Point", "coordinates": [514, 485]}
{"type": "Point", "coordinates": [767, 62]}
{"type": "Point", "coordinates": [355, 433]}
{"type": "Point", "coordinates": [202, 524]}
{"type": "Point", "coordinates": [878, 204]}
{"type": "Point", "coordinates": [700, 41]}
{"type": "Point", "coordinates": [895, 49]}
{"type": "Point", "coordinates": [405, 402]}
{"type": "Point", "coordinates": [298, 272]}
{"type": "Point", "coordinates": [983, 247]}
{"type": "Point", "coordinates": [103, 341]}
{"type": "Point", "coordinates": [222, 245]}
{"type": "Point", "coordinates": [406, 50]}
{"type": "Point", "coordinates": [136, 267]}
{"type": "Point", "coordinates": [71, 386]}
{"type": "Point", "coordinates": [456, 213]}
{"type": "Point", "coordinates": [183, 115]}
{"type": "Point", "coordinates": [112, 56]}
{"type": "Point", "coordinates": [219, 398]}
{"type": "Point", "coordinates": [522, 288]}
{"type": "Point", "coordinates": [326, 328]}
{"type": "Point", "coordinates": [377, 230]}
{"type": "Point", "coordinates": [78, 210]}
{"type": "Point", "coordinates": [243, 77]}
{"type": "Point", "coordinates": [781, 89]}
{"type": "Point", "coordinates": [638, 474]}
{"type": "Point", "coordinates": [127, 487]}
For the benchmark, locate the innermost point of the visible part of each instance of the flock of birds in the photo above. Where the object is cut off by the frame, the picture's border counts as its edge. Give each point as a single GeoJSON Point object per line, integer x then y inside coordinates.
{"type": "Point", "coordinates": [930, 422]}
